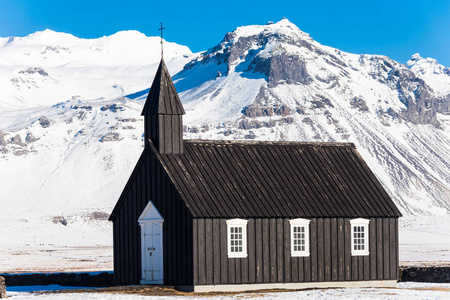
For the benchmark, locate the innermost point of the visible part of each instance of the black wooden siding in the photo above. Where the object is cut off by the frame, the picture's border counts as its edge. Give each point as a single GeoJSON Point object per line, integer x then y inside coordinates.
{"type": "Point", "coordinates": [269, 254]}
{"type": "Point", "coordinates": [166, 132]}
{"type": "Point", "coordinates": [177, 227]}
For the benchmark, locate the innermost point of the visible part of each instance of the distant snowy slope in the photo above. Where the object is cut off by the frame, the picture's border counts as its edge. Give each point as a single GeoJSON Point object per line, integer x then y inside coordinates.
{"type": "Point", "coordinates": [49, 67]}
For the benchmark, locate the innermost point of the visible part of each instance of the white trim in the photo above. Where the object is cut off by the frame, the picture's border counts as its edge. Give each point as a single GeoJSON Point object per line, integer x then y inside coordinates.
{"type": "Point", "coordinates": [288, 286]}
{"type": "Point", "coordinates": [300, 223]}
{"type": "Point", "coordinates": [150, 213]}
{"type": "Point", "coordinates": [237, 223]}
{"type": "Point", "coordinates": [365, 224]}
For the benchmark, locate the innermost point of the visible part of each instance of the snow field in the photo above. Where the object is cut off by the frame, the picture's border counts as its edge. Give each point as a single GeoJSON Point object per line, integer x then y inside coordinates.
{"type": "Point", "coordinates": [405, 290]}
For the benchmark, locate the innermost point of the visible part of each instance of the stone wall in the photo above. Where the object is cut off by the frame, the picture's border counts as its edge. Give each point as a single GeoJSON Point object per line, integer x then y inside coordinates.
{"type": "Point", "coordinates": [93, 279]}
{"type": "Point", "coordinates": [425, 274]}
{"type": "Point", "coordinates": [2, 288]}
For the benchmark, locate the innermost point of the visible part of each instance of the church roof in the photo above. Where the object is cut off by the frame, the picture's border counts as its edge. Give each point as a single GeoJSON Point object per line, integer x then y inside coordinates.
{"type": "Point", "coordinates": [227, 179]}
{"type": "Point", "coordinates": [162, 98]}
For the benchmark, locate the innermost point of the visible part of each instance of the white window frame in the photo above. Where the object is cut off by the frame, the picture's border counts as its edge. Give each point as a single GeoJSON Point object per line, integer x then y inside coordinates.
{"type": "Point", "coordinates": [300, 223]}
{"type": "Point", "coordinates": [237, 223]}
{"type": "Point", "coordinates": [360, 223]}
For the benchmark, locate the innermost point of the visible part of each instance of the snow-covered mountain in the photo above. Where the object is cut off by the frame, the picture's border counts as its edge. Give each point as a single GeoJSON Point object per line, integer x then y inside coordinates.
{"type": "Point", "coordinates": [274, 82]}
{"type": "Point", "coordinates": [71, 131]}
{"type": "Point", "coordinates": [48, 67]}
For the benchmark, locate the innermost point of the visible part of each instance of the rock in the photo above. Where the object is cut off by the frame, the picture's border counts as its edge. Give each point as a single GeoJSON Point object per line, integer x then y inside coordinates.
{"type": "Point", "coordinates": [2, 288]}
{"type": "Point", "coordinates": [30, 138]}
{"type": "Point", "coordinates": [44, 122]}
{"type": "Point", "coordinates": [113, 107]}
{"type": "Point", "coordinates": [359, 103]}
{"type": "Point", "coordinates": [282, 68]}
{"type": "Point", "coordinates": [110, 137]}
{"type": "Point", "coordinates": [21, 152]}
{"type": "Point", "coordinates": [2, 139]}
{"type": "Point", "coordinates": [99, 216]}
{"type": "Point", "coordinates": [60, 220]}
{"type": "Point", "coordinates": [32, 70]}
{"type": "Point", "coordinates": [17, 140]}
{"type": "Point", "coordinates": [416, 95]}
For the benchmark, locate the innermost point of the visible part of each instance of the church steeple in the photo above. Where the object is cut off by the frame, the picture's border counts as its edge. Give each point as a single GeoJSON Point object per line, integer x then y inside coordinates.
{"type": "Point", "coordinates": [163, 113]}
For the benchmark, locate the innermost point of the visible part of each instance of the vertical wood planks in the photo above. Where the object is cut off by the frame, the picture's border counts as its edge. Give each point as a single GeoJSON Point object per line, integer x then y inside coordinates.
{"type": "Point", "coordinates": [273, 249]}
{"type": "Point", "coordinates": [334, 250]}
{"type": "Point", "coordinates": [320, 251]}
{"type": "Point", "coordinates": [251, 237]}
{"type": "Point", "coordinates": [313, 249]}
{"type": "Point", "coordinates": [223, 252]}
{"type": "Point", "coordinates": [379, 228]}
{"type": "Point", "coordinates": [392, 250]}
{"type": "Point", "coordinates": [201, 251]}
{"type": "Point", "coordinates": [259, 250]}
{"type": "Point", "coordinates": [209, 251]}
{"type": "Point", "coordinates": [327, 248]}
{"type": "Point", "coordinates": [280, 250]}
{"type": "Point", "coordinates": [340, 242]}
{"type": "Point", "coordinates": [386, 249]}
{"type": "Point", "coordinates": [216, 255]}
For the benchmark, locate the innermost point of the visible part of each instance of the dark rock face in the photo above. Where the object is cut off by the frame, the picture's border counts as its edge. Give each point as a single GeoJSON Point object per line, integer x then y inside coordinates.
{"type": "Point", "coordinates": [255, 110]}
{"type": "Point", "coordinates": [44, 122]}
{"type": "Point", "coordinates": [443, 105]}
{"type": "Point", "coordinates": [283, 68]}
{"type": "Point", "coordinates": [2, 288]}
{"type": "Point", "coordinates": [421, 105]}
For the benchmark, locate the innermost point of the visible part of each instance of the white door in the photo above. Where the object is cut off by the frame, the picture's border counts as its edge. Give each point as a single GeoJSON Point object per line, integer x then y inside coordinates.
{"type": "Point", "coordinates": [151, 223]}
{"type": "Point", "coordinates": [152, 255]}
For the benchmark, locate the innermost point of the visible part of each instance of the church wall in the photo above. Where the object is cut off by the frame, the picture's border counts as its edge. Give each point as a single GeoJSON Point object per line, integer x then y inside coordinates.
{"type": "Point", "coordinates": [269, 256]}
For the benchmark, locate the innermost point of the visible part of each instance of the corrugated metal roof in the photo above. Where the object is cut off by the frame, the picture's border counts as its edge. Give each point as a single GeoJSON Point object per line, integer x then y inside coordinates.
{"type": "Point", "coordinates": [228, 179]}
{"type": "Point", "coordinates": [162, 98]}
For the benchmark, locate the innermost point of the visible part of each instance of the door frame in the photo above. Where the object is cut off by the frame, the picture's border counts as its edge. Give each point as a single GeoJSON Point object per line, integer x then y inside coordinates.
{"type": "Point", "coordinates": [151, 216]}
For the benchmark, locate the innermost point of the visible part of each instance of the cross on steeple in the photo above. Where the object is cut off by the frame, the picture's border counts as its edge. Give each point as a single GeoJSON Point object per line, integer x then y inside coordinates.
{"type": "Point", "coordinates": [162, 50]}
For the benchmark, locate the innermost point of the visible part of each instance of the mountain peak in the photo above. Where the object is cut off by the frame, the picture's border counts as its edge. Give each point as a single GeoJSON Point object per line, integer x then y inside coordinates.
{"type": "Point", "coordinates": [426, 66]}
{"type": "Point", "coordinates": [49, 35]}
{"type": "Point", "coordinates": [282, 27]}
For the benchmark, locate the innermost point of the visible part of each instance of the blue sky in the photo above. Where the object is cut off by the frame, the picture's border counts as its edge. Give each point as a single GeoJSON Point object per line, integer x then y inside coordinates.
{"type": "Point", "coordinates": [394, 28]}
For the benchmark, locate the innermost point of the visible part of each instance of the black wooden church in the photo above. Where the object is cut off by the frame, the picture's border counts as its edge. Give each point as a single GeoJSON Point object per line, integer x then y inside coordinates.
{"type": "Point", "coordinates": [239, 215]}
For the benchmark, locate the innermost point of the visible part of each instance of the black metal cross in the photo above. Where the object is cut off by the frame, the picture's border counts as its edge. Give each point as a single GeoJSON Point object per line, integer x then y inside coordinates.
{"type": "Point", "coordinates": [162, 50]}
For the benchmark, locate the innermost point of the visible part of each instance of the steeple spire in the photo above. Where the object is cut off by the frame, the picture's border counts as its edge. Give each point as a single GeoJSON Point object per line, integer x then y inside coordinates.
{"type": "Point", "coordinates": [163, 114]}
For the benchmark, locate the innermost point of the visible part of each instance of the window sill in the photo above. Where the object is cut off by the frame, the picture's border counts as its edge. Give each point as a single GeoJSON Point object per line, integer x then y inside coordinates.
{"type": "Point", "coordinates": [299, 254]}
{"type": "Point", "coordinates": [237, 255]}
{"type": "Point", "coordinates": [360, 253]}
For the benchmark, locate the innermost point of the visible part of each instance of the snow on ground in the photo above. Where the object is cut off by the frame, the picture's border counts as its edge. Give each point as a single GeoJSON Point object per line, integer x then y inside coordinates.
{"type": "Point", "coordinates": [410, 290]}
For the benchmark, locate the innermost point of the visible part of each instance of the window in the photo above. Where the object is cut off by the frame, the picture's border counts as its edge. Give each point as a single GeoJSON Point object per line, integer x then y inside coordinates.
{"type": "Point", "coordinates": [299, 237]}
{"type": "Point", "coordinates": [360, 236]}
{"type": "Point", "coordinates": [237, 238]}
